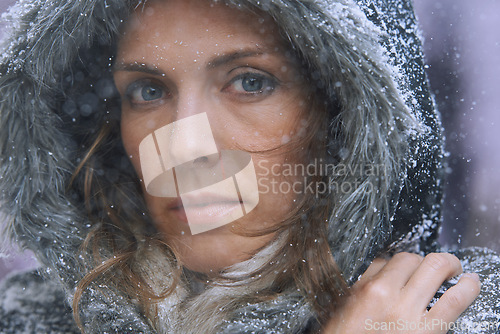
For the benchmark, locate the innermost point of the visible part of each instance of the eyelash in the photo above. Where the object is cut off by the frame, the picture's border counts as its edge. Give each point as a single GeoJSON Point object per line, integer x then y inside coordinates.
{"type": "Point", "coordinates": [269, 84]}
{"type": "Point", "coordinates": [134, 92]}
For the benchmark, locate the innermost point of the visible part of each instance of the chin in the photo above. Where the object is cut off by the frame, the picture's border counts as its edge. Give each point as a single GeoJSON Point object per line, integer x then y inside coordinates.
{"type": "Point", "coordinates": [214, 250]}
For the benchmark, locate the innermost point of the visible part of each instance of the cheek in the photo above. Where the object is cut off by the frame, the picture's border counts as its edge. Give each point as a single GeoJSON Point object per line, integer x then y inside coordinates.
{"type": "Point", "coordinates": [277, 181]}
{"type": "Point", "coordinates": [282, 120]}
{"type": "Point", "coordinates": [265, 131]}
{"type": "Point", "coordinates": [154, 205]}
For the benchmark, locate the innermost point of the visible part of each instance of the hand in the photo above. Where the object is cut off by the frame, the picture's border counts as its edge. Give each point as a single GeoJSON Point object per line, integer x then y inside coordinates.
{"type": "Point", "coordinates": [392, 296]}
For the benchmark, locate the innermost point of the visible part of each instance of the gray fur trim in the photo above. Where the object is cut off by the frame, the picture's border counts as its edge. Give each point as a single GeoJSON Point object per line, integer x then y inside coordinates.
{"type": "Point", "coordinates": [28, 304]}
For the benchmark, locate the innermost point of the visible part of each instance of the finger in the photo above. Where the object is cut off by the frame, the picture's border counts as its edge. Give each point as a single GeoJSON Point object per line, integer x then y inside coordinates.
{"type": "Point", "coordinates": [372, 270]}
{"type": "Point", "coordinates": [399, 269]}
{"type": "Point", "coordinates": [394, 272]}
{"type": "Point", "coordinates": [429, 276]}
{"type": "Point", "coordinates": [456, 299]}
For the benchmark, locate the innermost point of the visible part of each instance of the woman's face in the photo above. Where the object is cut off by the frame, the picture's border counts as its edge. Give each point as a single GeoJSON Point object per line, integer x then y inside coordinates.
{"type": "Point", "coordinates": [213, 67]}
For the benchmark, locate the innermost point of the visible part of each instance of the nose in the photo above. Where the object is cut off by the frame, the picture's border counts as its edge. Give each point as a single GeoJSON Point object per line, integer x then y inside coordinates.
{"type": "Point", "coordinates": [189, 138]}
{"type": "Point", "coordinates": [185, 149]}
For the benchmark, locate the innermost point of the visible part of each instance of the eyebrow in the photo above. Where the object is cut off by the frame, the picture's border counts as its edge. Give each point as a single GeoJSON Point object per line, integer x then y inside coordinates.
{"type": "Point", "coordinates": [213, 63]}
{"type": "Point", "coordinates": [227, 58]}
{"type": "Point", "coordinates": [137, 67]}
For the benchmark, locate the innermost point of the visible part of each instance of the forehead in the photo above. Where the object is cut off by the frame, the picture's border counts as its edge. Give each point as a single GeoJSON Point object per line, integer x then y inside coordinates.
{"type": "Point", "coordinates": [197, 26]}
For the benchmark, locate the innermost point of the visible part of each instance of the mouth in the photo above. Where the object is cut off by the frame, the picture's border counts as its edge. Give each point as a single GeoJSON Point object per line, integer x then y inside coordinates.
{"type": "Point", "coordinates": [208, 209]}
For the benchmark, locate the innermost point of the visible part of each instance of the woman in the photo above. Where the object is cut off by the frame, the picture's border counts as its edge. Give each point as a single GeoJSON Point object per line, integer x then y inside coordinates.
{"type": "Point", "coordinates": [135, 137]}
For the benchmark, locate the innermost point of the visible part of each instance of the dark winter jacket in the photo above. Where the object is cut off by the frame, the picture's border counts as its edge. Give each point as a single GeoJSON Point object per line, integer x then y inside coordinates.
{"type": "Point", "coordinates": [366, 57]}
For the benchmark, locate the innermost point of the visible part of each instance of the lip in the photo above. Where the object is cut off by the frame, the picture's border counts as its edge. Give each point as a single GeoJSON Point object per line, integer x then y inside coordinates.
{"type": "Point", "coordinates": [205, 208]}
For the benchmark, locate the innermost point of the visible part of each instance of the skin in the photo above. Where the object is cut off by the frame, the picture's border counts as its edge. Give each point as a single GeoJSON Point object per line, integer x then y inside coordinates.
{"type": "Point", "coordinates": [191, 56]}
{"type": "Point", "coordinates": [198, 62]}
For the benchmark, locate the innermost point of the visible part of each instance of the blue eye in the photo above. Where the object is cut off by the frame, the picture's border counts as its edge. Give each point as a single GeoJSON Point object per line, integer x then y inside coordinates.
{"type": "Point", "coordinates": [150, 93]}
{"type": "Point", "coordinates": [144, 91]}
{"type": "Point", "coordinates": [252, 83]}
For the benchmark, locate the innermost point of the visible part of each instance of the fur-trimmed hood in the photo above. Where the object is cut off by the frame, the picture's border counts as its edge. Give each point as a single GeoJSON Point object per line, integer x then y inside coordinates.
{"type": "Point", "coordinates": [365, 55]}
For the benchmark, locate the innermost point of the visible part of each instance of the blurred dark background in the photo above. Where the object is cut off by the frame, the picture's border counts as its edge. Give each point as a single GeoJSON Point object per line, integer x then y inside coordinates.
{"type": "Point", "coordinates": [462, 48]}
